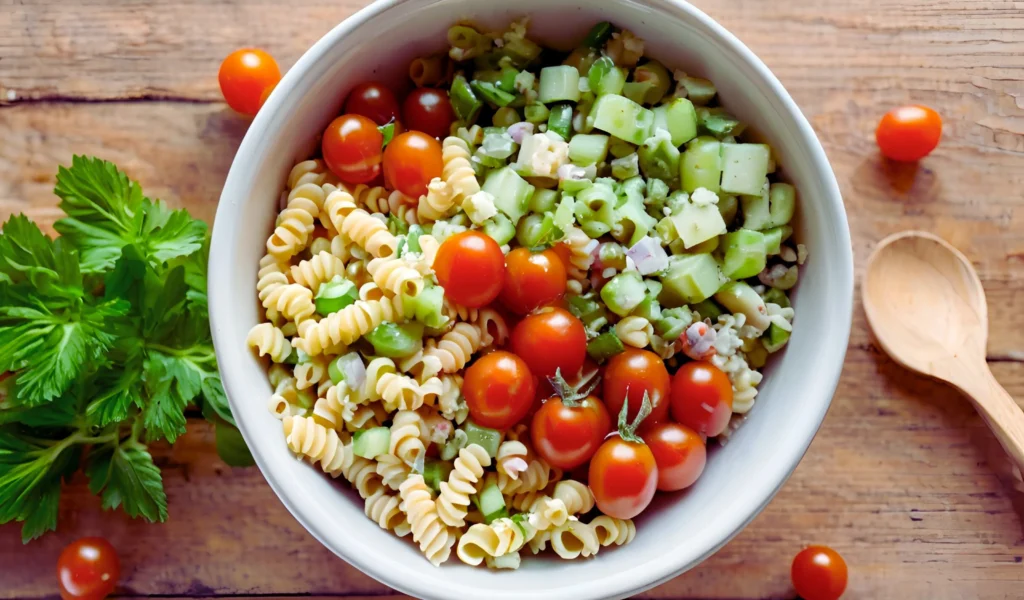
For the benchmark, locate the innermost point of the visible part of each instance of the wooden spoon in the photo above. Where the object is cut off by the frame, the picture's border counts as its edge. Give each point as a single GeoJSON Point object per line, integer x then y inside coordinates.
{"type": "Point", "coordinates": [927, 309]}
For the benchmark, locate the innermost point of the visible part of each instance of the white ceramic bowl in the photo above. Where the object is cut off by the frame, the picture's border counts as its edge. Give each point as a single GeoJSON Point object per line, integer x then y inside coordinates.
{"type": "Point", "coordinates": [679, 530]}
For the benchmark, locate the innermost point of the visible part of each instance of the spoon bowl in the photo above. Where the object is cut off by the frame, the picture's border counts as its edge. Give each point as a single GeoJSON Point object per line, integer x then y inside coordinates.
{"type": "Point", "coordinates": [927, 309]}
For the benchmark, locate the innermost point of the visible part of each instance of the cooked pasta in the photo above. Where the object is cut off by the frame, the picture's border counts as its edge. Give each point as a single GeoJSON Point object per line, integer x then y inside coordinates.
{"type": "Point", "coordinates": [610, 530]}
{"type": "Point", "coordinates": [293, 301]}
{"type": "Point", "coordinates": [456, 347]}
{"type": "Point", "coordinates": [576, 496]}
{"type": "Point", "coordinates": [574, 539]}
{"type": "Point", "coordinates": [511, 459]}
{"type": "Point", "coordinates": [427, 71]}
{"type": "Point", "coordinates": [335, 407]}
{"type": "Point", "coordinates": [310, 371]}
{"type": "Point", "coordinates": [348, 324]}
{"type": "Point", "coordinates": [269, 341]}
{"type": "Point", "coordinates": [271, 276]}
{"type": "Point", "coordinates": [318, 270]}
{"type": "Point", "coordinates": [392, 470]}
{"type": "Point", "coordinates": [383, 509]}
{"type": "Point", "coordinates": [581, 257]}
{"type": "Point", "coordinates": [373, 199]}
{"type": "Point", "coordinates": [433, 536]}
{"type": "Point", "coordinates": [634, 331]}
{"type": "Point", "coordinates": [307, 438]}
{"type": "Point", "coordinates": [453, 499]}
{"type": "Point", "coordinates": [295, 224]}
{"type": "Point", "coordinates": [395, 276]}
{"type": "Point", "coordinates": [458, 171]}
{"type": "Point", "coordinates": [358, 225]}
{"type": "Point", "coordinates": [407, 433]}
{"type": "Point", "coordinates": [501, 537]}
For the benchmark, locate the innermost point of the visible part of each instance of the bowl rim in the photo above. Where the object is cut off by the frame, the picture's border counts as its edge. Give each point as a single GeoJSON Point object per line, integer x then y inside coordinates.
{"type": "Point", "coordinates": [639, 578]}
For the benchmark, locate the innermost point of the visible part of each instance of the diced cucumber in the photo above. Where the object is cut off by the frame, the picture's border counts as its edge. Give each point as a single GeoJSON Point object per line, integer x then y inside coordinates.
{"type": "Point", "coordinates": [371, 443]}
{"type": "Point", "coordinates": [623, 118]}
{"type": "Point", "coordinates": [657, 190]}
{"type": "Point", "coordinates": [536, 230]}
{"type": "Point", "coordinates": [588, 148]}
{"type": "Point", "coordinates": [776, 296]}
{"type": "Point", "coordinates": [335, 295]}
{"type": "Point", "coordinates": [634, 221]}
{"type": "Point", "coordinates": [775, 338]}
{"type": "Point", "coordinates": [559, 83]}
{"type": "Point", "coordinates": [649, 308]}
{"type": "Point", "coordinates": [624, 292]}
{"type": "Point", "coordinates": [782, 198]}
{"type": "Point", "coordinates": [690, 278]}
{"type": "Point", "coordinates": [486, 438]}
{"type": "Point", "coordinates": [744, 168]}
{"type": "Point", "coordinates": [696, 223]}
{"type": "Point", "coordinates": [394, 340]}
{"type": "Point", "coordinates": [706, 247]}
{"type": "Point", "coordinates": [718, 123]}
{"type": "Point", "coordinates": [701, 165]}
{"type": "Point", "coordinates": [745, 254]}
{"type": "Point", "coordinates": [605, 78]}
{"type": "Point", "coordinates": [436, 471]}
{"type": "Point", "coordinates": [637, 91]}
{"type": "Point", "coordinates": [571, 187]}
{"type": "Point", "coordinates": [604, 346]}
{"type": "Point", "coordinates": [595, 209]}
{"type": "Point", "coordinates": [626, 167]}
{"type": "Point", "coordinates": [427, 307]}
{"type": "Point", "coordinates": [451, 448]}
{"type": "Point", "coordinates": [728, 206]}
{"type": "Point", "coordinates": [659, 158]}
{"type": "Point", "coordinates": [708, 309]}
{"type": "Point", "coordinates": [543, 200]}
{"type": "Point", "coordinates": [656, 79]}
{"type": "Point", "coordinates": [699, 90]}
{"type": "Point", "coordinates": [560, 120]}
{"type": "Point", "coordinates": [536, 113]}
{"type": "Point", "coordinates": [492, 503]}
{"type": "Point", "coordinates": [511, 192]}
{"type": "Point", "coordinates": [756, 213]}
{"type": "Point", "coordinates": [679, 118]}
{"type": "Point", "coordinates": [739, 297]}
{"type": "Point", "coordinates": [564, 217]}
{"type": "Point", "coordinates": [774, 237]}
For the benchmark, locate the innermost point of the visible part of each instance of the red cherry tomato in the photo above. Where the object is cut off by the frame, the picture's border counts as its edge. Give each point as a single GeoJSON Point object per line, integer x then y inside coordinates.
{"type": "Point", "coordinates": [88, 569]}
{"type": "Point", "coordinates": [909, 133]}
{"type": "Point", "coordinates": [819, 573]}
{"type": "Point", "coordinates": [411, 160]}
{"type": "Point", "coordinates": [566, 436]}
{"type": "Point", "coordinates": [266, 94]}
{"type": "Point", "coordinates": [532, 279]}
{"type": "Point", "coordinates": [470, 267]}
{"type": "Point", "coordinates": [428, 110]}
{"type": "Point", "coordinates": [623, 476]}
{"type": "Point", "coordinates": [374, 101]}
{"type": "Point", "coordinates": [549, 340]}
{"type": "Point", "coordinates": [244, 75]}
{"type": "Point", "coordinates": [499, 389]}
{"type": "Point", "coordinates": [352, 149]}
{"type": "Point", "coordinates": [702, 398]}
{"type": "Point", "coordinates": [632, 373]}
{"type": "Point", "coordinates": [679, 452]}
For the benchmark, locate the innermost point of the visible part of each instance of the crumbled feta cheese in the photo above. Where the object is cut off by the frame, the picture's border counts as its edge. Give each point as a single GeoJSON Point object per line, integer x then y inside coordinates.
{"type": "Point", "coordinates": [541, 154]}
{"type": "Point", "coordinates": [703, 196]}
{"type": "Point", "coordinates": [480, 207]}
{"type": "Point", "coordinates": [524, 81]}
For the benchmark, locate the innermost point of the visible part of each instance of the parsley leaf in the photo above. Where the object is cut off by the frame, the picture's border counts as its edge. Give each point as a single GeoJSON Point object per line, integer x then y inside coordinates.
{"type": "Point", "coordinates": [28, 257]}
{"type": "Point", "coordinates": [124, 475]}
{"type": "Point", "coordinates": [31, 470]}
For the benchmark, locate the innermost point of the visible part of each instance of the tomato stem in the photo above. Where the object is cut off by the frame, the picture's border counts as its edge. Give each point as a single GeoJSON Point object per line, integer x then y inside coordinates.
{"type": "Point", "coordinates": [571, 395]}
{"type": "Point", "coordinates": [627, 430]}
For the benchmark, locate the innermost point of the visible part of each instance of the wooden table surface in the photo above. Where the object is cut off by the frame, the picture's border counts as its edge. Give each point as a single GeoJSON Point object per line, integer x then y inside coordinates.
{"type": "Point", "coordinates": [899, 479]}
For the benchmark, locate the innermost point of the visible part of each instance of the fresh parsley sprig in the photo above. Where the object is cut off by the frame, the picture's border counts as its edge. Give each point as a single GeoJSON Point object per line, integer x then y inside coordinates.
{"type": "Point", "coordinates": [104, 344]}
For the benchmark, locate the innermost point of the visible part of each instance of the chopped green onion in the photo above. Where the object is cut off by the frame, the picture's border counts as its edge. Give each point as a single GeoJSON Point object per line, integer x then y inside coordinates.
{"type": "Point", "coordinates": [464, 102]}
{"type": "Point", "coordinates": [560, 120]}
{"type": "Point", "coordinates": [491, 93]}
{"type": "Point", "coordinates": [598, 35]}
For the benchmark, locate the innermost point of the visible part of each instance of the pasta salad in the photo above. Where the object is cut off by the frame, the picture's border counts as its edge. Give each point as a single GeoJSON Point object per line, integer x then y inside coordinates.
{"type": "Point", "coordinates": [511, 307]}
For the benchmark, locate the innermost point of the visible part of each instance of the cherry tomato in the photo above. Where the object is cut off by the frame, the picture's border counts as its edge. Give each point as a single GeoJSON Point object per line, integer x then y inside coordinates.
{"type": "Point", "coordinates": [550, 340]}
{"type": "Point", "coordinates": [499, 389]}
{"type": "Point", "coordinates": [909, 133]}
{"type": "Point", "coordinates": [680, 453]}
{"type": "Point", "coordinates": [352, 148]}
{"type": "Point", "coordinates": [623, 476]}
{"type": "Point", "coordinates": [819, 573]}
{"type": "Point", "coordinates": [244, 75]}
{"type": "Point", "coordinates": [702, 398]}
{"type": "Point", "coordinates": [88, 569]}
{"type": "Point", "coordinates": [634, 372]}
{"type": "Point", "coordinates": [567, 436]}
{"type": "Point", "coordinates": [532, 279]}
{"type": "Point", "coordinates": [266, 94]}
{"type": "Point", "coordinates": [428, 110]}
{"type": "Point", "coordinates": [470, 267]}
{"type": "Point", "coordinates": [374, 101]}
{"type": "Point", "coordinates": [411, 160]}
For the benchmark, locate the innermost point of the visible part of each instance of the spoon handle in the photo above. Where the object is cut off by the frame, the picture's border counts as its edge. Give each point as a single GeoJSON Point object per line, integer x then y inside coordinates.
{"type": "Point", "coordinates": [1002, 414]}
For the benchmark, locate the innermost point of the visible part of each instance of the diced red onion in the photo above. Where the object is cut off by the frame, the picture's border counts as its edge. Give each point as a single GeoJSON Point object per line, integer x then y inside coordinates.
{"type": "Point", "coordinates": [520, 130]}
{"type": "Point", "coordinates": [352, 367]}
{"type": "Point", "coordinates": [648, 255]}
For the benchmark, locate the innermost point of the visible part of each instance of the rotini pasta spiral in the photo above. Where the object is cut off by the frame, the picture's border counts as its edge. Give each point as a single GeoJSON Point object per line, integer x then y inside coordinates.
{"type": "Point", "coordinates": [576, 496]}
{"type": "Point", "coordinates": [458, 171]}
{"type": "Point", "coordinates": [548, 513]}
{"type": "Point", "coordinates": [311, 371]}
{"type": "Point", "coordinates": [501, 537]}
{"type": "Point", "coordinates": [453, 500]}
{"type": "Point", "coordinates": [396, 276]}
{"type": "Point", "coordinates": [492, 326]}
{"type": "Point", "coordinates": [269, 341]}
{"type": "Point", "coordinates": [407, 434]}
{"type": "Point", "coordinates": [511, 458]}
{"type": "Point", "coordinates": [610, 530]}
{"type": "Point", "coordinates": [361, 473]}
{"type": "Point", "coordinates": [581, 257]}
{"type": "Point", "coordinates": [382, 508]}
{"type": "Point", "coordinates": [348, 324]}
{"type": "Point", "coordinates": [334, 408]}
{"type": "Point", "coordinates": [373, 199]}
{"type": "Point", "coordinates": [295, 223]}
{"type": "Point", "coordinates": [433, 536]}
{"type": "Point", "coordinates": [392, 470]}
{"type": "Point", "coordinates": [457, 312]}
{"type": "Point", "coordinates": [437, 202]}
{"type": "Point", "coordinates": [451, 403]}
{"type": "Point", "coordinates": [365, 416]}
{"type": "Point", "coordinates": [310, 171]}
{"type": "Point", "coordinates": [634, 331]}
{"type": "Point", "coordinates": [293, 301]}
{"type": "Point", "coordinates": [537, 475]}
{"type": "Point", "coordinates": [271, 276]}
{"type": "Point", "coordinates": [421, 366]}
{"type": "Point", "coordinates": [456, 347]}
{"type": "Point", "coordinates": [574, 539]}
{"type": "Point", "coordinates": [358, 225]}
{"type": "Point", "coordinates": [318, 270]}
{"type": "Point", "coordinates": [317, 443]}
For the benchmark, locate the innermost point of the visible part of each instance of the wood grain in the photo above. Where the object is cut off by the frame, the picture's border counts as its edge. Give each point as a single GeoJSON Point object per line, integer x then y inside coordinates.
{"type": "Point", "coordinates": [899, 479]}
